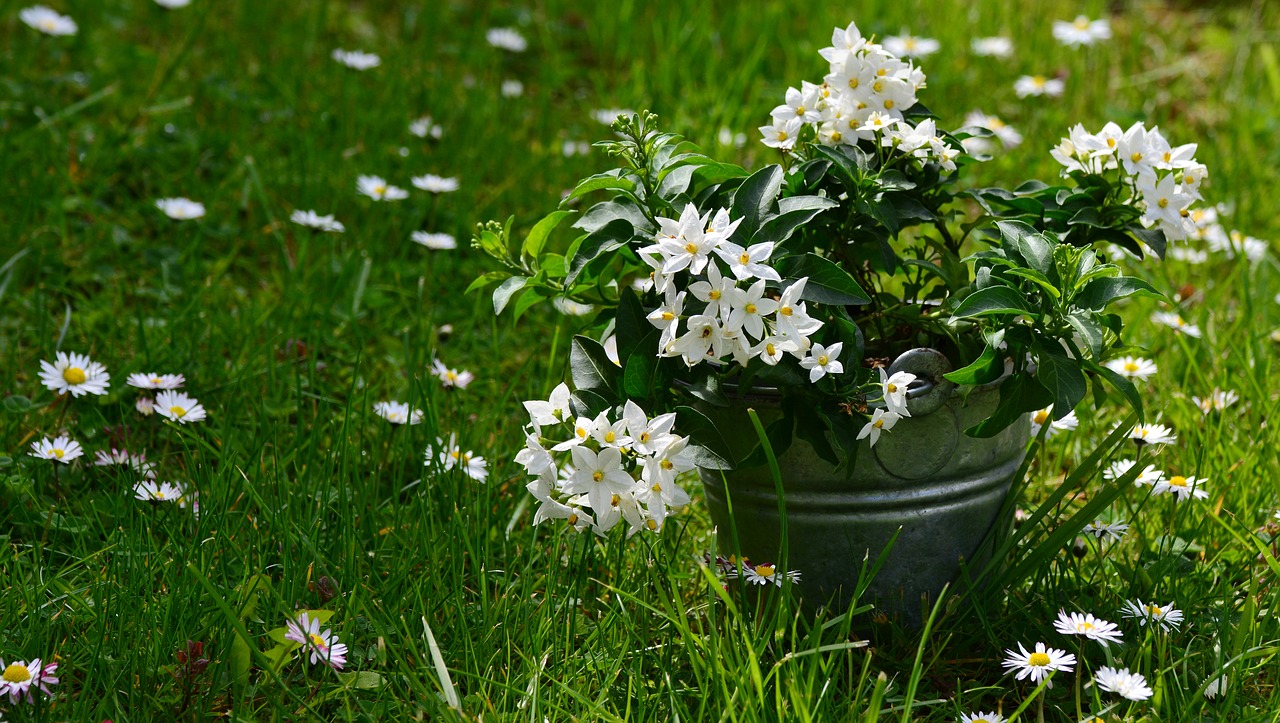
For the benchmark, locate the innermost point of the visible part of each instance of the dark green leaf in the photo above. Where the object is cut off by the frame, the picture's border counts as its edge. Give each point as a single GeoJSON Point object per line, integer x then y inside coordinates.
{"type": "Point", "coordinates": [828, 283]}
{"type": "Point", "coordinates": [1064, 380]}
{"type": "Point", "coordinates": [527, 300]}
{"type": "Point", "coordinates": [609, 212]}
{"type": "Point", "coordinates": [17, 404]}
{"type": "Point", "coordinates": [1018, 395]}
{"type": "Point", "coordinates": [992, 300]}
{"type": "Point", "coordinates": [801, 203]}
{"type": "Point", "coordinates": [609, 180]}
{"type": "Point", "coordinates": [1122, 385]}
{"type": "Point", "coordinates": [707, 388]}
{"type": "Point", "coordinates": [588, 403]}
{"type": "Point", "coordinates": [1087, 326]}
{"type": "Point", "coordinates": [780, 434]}
{"type": "Point", "coordinates": [1098, 293]}
{"type": "Point", "coordinates": [706, 445]}
{"type": "Point", "coordinates": [780, 228]}
{"type": "Point", "coordinates": [502, 295]}
{"type": "Point", "coordinates": [1035, 248]}
{"type": "Point", "coordinates": [985, 369]}
{"type": "Point", "coordinates": [811, 426]}
{"type": "Point", "coordinates": [537, 238]}
{"type": "Point", "coordinates": [753, 201]}
{"type": "Point", "coordinates": [1154, 238]}
{"type": "Point", "coordinates": [591, 367]}
{"type": "Point", "coordinates": [610, 237]}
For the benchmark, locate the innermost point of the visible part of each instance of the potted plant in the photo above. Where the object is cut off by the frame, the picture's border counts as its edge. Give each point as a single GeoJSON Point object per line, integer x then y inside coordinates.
{"type": "Point", "coordinates": [890, 328]}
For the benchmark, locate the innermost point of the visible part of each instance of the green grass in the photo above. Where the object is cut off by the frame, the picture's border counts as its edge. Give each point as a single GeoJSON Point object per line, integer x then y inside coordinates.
{"type": "Point", "coordinates": [288, 338]}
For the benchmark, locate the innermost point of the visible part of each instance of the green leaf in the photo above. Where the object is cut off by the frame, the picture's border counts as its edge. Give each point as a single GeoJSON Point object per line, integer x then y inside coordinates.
{"type": "Point", "coordinates": [502, 295]}
{"type": "Point", "coordinates": [1038, 278]}
{"type": "Point", "coordinates": [781, 227]}
{"type": "Point", "coordinates": [527, 300]}
{"type": "Point", "coordinates": [707, 388]}
{"type": "Point", "coordinates": [1087, 326]}
{"type": "Point", "coordinates": [607, 181]}
{"type": "Point", "coordinates": [1018, 395]}
{"type": "Point", "coordinates": [361, 679]}
{"type": "Point", "coordinates": [17, 404]}
{"type": "Point", "coordinates": [707, 447]}
{"type": "Point", "coordinates": [1154, 238]}
{"type": "Point", "coordinates": [801, 203]}
{"type": "Point", "coordinates": [637, 376]}
{"type": "Point", "coordinates": [812, 426]}
{"type": "Point", "coordinates": [591, 367]}
{"type": "Point", "coordinates": [609, 237]}
{"type": "Point", "coordinates": [992, 300]}
{"type": "Point", "coordinates": [828, 283]}
{"type": "Point", "coordinates": [985, 369]}
{"type": "Point", "coordinates": [586, 403]}
{"type": "Point", "coordinates": [780, 433]}
{"type": "Point", "coordinates": [1098, 293]}
{"type": "Point", "coordinates": [541, 231]}
{"type": "Point", "coordinates": [487, 279]}
{"type": "Point", "coordinates": [607, 212]}
{"type": "Point", "coordinates": [754, 199]}
{"type": "Point", "coordinates": [1122, 385]}
{"type": "Point", "coordinates": [1064, 380]}
{"type": "Point", "coordinates": [1035, 248]}
{"type": "Point", "coordinates": [718, 172]}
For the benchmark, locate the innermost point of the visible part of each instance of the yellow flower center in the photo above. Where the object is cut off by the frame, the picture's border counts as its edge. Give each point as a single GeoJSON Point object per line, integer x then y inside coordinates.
{"type": "Point", "coordinates": [49, 25]}
{"type": "Point", "coordinates": [156, 381]}
{"type": "Point", "coordinates": [613, 501]}
{"type": "Point", "coordinates": [853, 83]}
{"type": "Point", "coordinates": [744, 259]}
{"type": "Point", "coordinates": [572, 519]}
{"type": "Point", "coordinates": [706, 332]}
{"type": "Point", "coordinates": [379, 190]}
{"type": "Point", "coordinates": [159, 494]}
{"type": "Point", "coordinates": [836, 137]}
{"type": "Point", "coordinates": [1135, 157]}
{"type": "Point", "coordinates": [1155, 610]}
{"type": "Point", "coordinates": [891, 388]}
{"type": "Point", "coordinates": [667, 465]}
{"type": "Point", "coordinates": [597, 475]}
{"type": "Point", "coordinates": [770, 349]}
{"type": "Point", "coordinates": [582, 433]}
{"type": "Point", "coordinates": [451, 375]}
{"type": "Point", "coordinates": [823, 360]}
{"type": "Point", "coordinates": [74, 375]}
{"type": "Point", "coordinates": [316, 640]}
{"type": "Point", "coordinates": [610, 436]}
{"type": "Point", "coordinates": [1167, 156]}
{"type": "Point", "coordinates": [690, 248]}
{"type": "Point", "coordinates": [1111, 143]}
{"type": "Point", "coordinates": [177, 411]}
{"type": "Point", "coordinates": [882, 72]}
{"type": "Point", "coordinates": [888, 103]}
{"type": "Point", "coordinates": [1039, 660]}
{"type": "Point", "coordinates": [714, 294]}
{"type": "Point", "coordinates": [800, 111]}
{"type": "Point", "coordinates": [16, 673]}
{"type": "Point", "coordinates": [644, 436]}
{"type": "Point", "coordinates": [1082, 23]}
{"type": "Point", "coordinates": [765, 570]}
{"type": "Point", "coordinates": [878, 424]}
{"type": "Point", "coordinates": [1178, 481]}
{"type": "Point", "coordinates": [59, 453]}
{"type": "Point", "coordinates": [657, 487]}
{"type": "Point", "coordinates": [1130, 366]}
{"type": "Point", "coordinates": [1041, 416]}
{"type": "Point", "coordinates": [1163, 203]}
{"type": "Point", "coordinates": [1038, 81]}
{"type": "Point", "coordinates": [750, 308]}
{"type": "Point", "coordinates": [877, 86]}
{"type": "Point", "coordinates": [668, 316]}
{"type": "Point", "coordinates": [1085, 627]}
{"type": "Point", "coordinates": [782, 135]}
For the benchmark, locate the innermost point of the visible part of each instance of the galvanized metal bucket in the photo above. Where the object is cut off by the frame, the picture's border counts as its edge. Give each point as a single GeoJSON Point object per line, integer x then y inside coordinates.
{"type": "Point", "coordinates": [939, 491]}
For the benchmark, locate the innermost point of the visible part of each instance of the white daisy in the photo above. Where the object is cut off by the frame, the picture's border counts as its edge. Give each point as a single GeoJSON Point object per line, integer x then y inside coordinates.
{"type": "Point", "coordinates": [1217, 401]}
{"type": "Point", "coordinates": [435, 241]}
{"type": "Point", "coordinates": [74, 373]}
{"type": "Point", "coordinates": [180, 209]}
{"type": "Point", "coordinates": [19, 678]}
{"type": "Point", "coordinates": [767, 573]}
{"type": "Point", "coordinates": [1166, 616]}
{"type": "Point", "coordinates": [178, 407]}
{"type": "Point", "coordinates": [995, 47]}
{"type": "Point", "coordinates": [1133, 367]}
{"type": "Point", "coordinates": [1038, 664]}
{"type": "Point", "coordinates": [60, 449]}
{"type": "Point", "coordinates": [48, 20]}
{"type": "Point", "coordinates": [323, 645]}
{"type": "Point", "coordinates": [451, 377]}
{"type": "Point", "coordinates": [435, 184]}
{"type": "Point", "coordinates": [152, 380]}
{"type": "Point", "coordinates": [311, 219]}
{"type": "Point", "coordinates": [1116, 470]}
{"type": "Point", "coordinates": [1176, 322]}
{"type": "Point", "coordinates": [424, 127]}
{"type": "Point", "coordinates": [506, 39]}
{"type": "Point", "coordinates": [398, 413]}
{"type": "Point", "coordinates": [146, 406]}
{"type": "Point", "coordinates": [1106, 530]}
{"type": "Point", "coordinates": [1152, 434]}
{"type": "Point", "coordinates": [606, 116]}
{"type": "Point", "coordinates": [449, 455]}
{"type": "Point", "coordinates": [512, 89]}
{"type": "Point", "coordinates": [355, 59]}
{"type": "Point", "coordinates": [1181, 487]}
{"type": "Point", "coordinates": [153, 491]}
{"type": "Point", "coordinates": [1040, 417]}
{"type": "Point", "coordinates": [1081, 31]}
{"type": "Point", "coordinates": [377, 189]}
{"type": "Point", "coordinates": [1131, 686]}
{"type": "Point", "coordinates": [1038, 85]}
{"type": "Point", "coordinates": [173, 4]}
{"type": "Point", "coordinates": [1087, 625]}
{"type": "Point", "coordinates": [992, 717]}
{"type": "Point", "coordinates": [120, 457]}
{"type": "Point", "coordinates": [910, 45]}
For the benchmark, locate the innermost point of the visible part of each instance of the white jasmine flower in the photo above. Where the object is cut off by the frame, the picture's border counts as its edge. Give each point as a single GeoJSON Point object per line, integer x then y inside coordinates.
{"type": "Point", "coordinates": [893, 390]}
{"type": "Point", "coordinates": [511, 89]}
{"type": "Point", "coordinates": [1181, 487]}
{"type": "Point", "coordinates": [749, 263]}
{"type": "Point", "coordinates": [1081, 31]}
{"type": "Point", "coordinates": [910, 45]}
{"type": "Point", "coordinates": [1038, 85]}
{"type": "Point", "coordinates": [1088, 626]}
{"type": "Point", "coordinates": [60, 449]}
{"type": "Point", "coordinates": [377, 189]}
{"type": "Point", "coordinates": [355, 59]}
{"type": "Point", "coordinates": [152, 491]}
{"type": "Point", "coordinates": [1166, 616]}
{"type": "Point", "coordinates": [506, 39]}
{"type": "Point", "coordinates": [1176, 322]}
{"type": "Point", "coordinates": [599, 476]}
{"type": "Point", "coordinates": [996, 47]}
{"type": "Point", "coordinates": [553, 411]}
{"type": "Point", "coordinates": [823, 361]}
{"type": "Point", "coordinates": [1041, 416]}
{"type": "Point", "coordinates": [1131, 686]}
{"type": "Point", "coordinates": [398, 412]}
{"type": "Point", "coordinates": [1039, 664]}
{"type": "Point", "coordinates": [74, 373]}
{"type": "Point", "coordinates": [322, 645]}
{"type": "Point", "coordinates": [1106, 530]}
{"type": "Point", "coordinates": [451, 377]}
{"type": "Point", "coordinates": [435, 184]}
{"type": "Point", "coordinates": [747, 309]}
{"type": "Point", "coordinates": [1217, 401]}
{"type": "Point", "coordinates": [781, 135]}
{"type": "Point", "coordinates": [799, 104]}
{"type": "Point", "coordinates": [1133, 367]}
{"type": "Point", "coordinates": [881, 421]}
{"type": "Point", "coordinates": [152, 380]}
{"type": "Point", "coordinates": [47, 20]}
{"type": "Point", "coordinates": [426, 128]}
{"type": "Point", "coordinates": [180, 209]}
{"type": "Point", "coordinates": [178, 407]}
{"type": "Point", "coordinates": [435, 241]}
{"type": "Point", "coordinates": [311, 219]}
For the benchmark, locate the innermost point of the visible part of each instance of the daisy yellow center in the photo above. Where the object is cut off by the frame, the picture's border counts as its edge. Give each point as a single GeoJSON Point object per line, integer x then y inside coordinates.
{"type": "Point", "coordinates": [1039, 660]}
{"type": "Point", "coordinates": [1178, 481]}
{"type": "Point", "coordinates": [749, 308]}
{"type": "Point", "coordinates": [74, 375]}
{"type": "Point", "coordinates": [316, 640]}
{"type": "Point", "coordinates": [610, 436]}
{"type": "Point", "coordinates": [455, 454]}
{"type": "Point", "coordinates": [995, 123]}
{"type": "Point", "coordinates": [177, 411]}
{"type": "Point", "coordinates": [909, 43]}
{"type": "Point", "coordinates": [597, 475]}
{"type": "Point", "coordinates": [156, 381]}
{"type": "Point", "coordinates": [1041, 416]}
{"type": "Point", "coordinates": [766, 570]}
{"type": "Point", "coordinates": [379, 190]}
{"type": "Point", "coordinates": [59, 453]}
{"type": "Point", "coordinates": [159, 494]}
{"type": "Point", "coordinates": [823, 360]}
{"type": "Point", "coordinates": [49, 25]}
{"type": "Point", "coordinates": [1039, 81]}
{"type": "Point", "coordinates": [1082, 23]}
{"type": "Point", "coordinates": [1085, 627]}
{"type": "Point", "coordinates": [1130, 366]}
{"type": "Point", "coordinates": [1155, 610]}
{"type": "Point", "coordinates": [16, 673]}
{"type": "Point", "coordinates": [451, 375]}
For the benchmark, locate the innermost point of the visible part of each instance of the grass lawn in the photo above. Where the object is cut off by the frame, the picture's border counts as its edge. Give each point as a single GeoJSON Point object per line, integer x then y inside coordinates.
{"type": "Point", "coordinates": [452, 604]}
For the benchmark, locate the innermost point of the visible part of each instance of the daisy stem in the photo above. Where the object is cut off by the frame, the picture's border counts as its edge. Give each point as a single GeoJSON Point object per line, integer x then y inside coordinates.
{"type": "Point", "coordinates": [1080, 658]}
